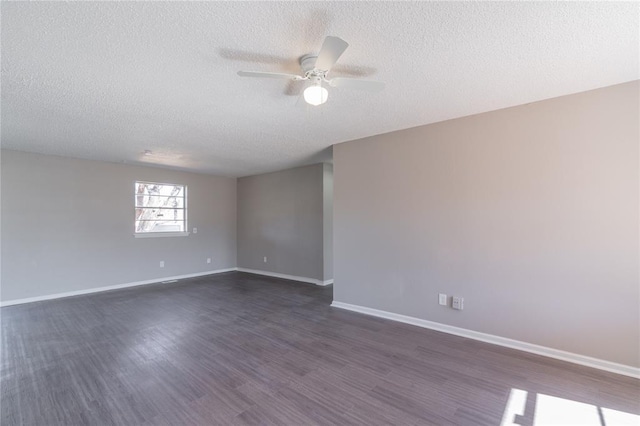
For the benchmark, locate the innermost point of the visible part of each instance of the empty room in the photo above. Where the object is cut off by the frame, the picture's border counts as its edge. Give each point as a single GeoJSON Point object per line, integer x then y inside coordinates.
{"type": "Point", "coordinates": [320, 213]}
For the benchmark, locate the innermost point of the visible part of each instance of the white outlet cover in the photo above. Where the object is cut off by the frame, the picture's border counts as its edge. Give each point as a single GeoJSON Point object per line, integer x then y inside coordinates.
{"type": "Point", "coordinates": [265, 259]}
{"type": "Point", "coordinates": [195, 230]}
{"type": "Point", "coordinates": [208, 260]}
{"type": "Point", "coordinates": [458, 303]}
{"type": "Point", "coordinates": [162, 263]}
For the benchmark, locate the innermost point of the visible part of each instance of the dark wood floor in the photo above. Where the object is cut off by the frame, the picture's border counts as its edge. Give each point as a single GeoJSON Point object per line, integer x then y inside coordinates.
{"type": "Point", "coordinates": [242, 349]}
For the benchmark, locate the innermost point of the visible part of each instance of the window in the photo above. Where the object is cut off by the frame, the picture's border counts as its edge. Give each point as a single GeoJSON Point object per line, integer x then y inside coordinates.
{"type": "Point", "coordinates": [161, 208]}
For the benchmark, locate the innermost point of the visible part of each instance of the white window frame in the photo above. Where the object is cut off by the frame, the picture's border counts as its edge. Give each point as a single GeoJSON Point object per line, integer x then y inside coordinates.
{"type": "Point", "coordinates": [160, 234]}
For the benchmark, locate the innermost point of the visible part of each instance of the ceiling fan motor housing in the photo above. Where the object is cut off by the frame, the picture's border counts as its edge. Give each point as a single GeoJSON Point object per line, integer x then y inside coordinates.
{"type": "Point", "coordinates": [307, 63]}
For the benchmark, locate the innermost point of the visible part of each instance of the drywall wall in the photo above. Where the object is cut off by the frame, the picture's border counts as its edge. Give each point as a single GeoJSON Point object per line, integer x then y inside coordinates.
{"type": "Point", "coordinates": [327, 220]}
{"type": "Point", "coordinates": [67, 225]}
{"type": "Point", "coordinates": [530, 213]}
{"type": "Point", "coordinates": [280, 217]}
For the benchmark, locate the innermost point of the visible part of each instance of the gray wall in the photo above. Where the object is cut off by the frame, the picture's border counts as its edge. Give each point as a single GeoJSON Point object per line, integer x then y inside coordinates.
{"type": "Point", "coordinates": [529, 213]}
{"type": "Point", "coordinates": [327, 219]}
{"type": "Point", "coordinates": [280, 216]}
{"type": "Point", "coordinates": [67, 225]}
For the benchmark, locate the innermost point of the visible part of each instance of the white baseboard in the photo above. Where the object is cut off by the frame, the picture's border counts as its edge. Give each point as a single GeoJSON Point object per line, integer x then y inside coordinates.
{"type": "Point", "coordinates": [600, 364]}
{"type": "Point", "coordinates": [111, 287]}
{"type": "Point", "coordinates": [286, 277]}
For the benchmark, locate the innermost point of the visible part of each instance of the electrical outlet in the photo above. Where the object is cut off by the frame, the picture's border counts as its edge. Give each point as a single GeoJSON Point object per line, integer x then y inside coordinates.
{"type": "Point", "coordinates": [458, 303]}
{"type": "Point", "coordinates": [208, 260]}
{"type": "Point", "coordinates": [265, 259]}
{"type": "Point", "coordinates": [442, 299]}
{"type": "Point", "coordinates": [162, 263]}
{"type": "Point", "coordinates": [195, 230]}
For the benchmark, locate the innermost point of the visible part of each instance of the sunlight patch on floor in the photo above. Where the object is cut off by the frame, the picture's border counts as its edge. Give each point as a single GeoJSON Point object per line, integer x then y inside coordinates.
{"type": "Point", "coordinates": [552, 411]}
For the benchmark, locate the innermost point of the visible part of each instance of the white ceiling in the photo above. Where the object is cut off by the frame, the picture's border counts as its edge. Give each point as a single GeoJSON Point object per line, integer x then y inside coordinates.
{"type": "Point", "coordinates": [108, 80]}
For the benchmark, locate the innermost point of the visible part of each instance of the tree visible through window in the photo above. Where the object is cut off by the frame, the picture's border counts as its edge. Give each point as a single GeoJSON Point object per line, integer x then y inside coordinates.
{"type": "Point", "coordinates": [160, 207]}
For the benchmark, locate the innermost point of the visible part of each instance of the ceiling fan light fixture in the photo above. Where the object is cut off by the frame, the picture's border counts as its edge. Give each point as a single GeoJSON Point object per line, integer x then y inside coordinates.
{"type": "Point", "coordinates": [316, 95]}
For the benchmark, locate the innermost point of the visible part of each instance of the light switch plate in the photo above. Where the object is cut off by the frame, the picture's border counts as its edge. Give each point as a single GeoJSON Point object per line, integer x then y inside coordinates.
{"type": "Point", "coordinates": [442, 299]}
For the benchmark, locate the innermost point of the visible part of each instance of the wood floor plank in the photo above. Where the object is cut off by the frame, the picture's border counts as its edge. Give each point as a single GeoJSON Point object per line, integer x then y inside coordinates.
{"type": "Point", "coordinates": [241, 349]}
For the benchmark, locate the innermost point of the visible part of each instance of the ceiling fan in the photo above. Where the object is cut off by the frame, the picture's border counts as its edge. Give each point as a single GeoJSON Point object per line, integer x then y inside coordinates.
{"type": "Point", "coordinates": [315, 69]}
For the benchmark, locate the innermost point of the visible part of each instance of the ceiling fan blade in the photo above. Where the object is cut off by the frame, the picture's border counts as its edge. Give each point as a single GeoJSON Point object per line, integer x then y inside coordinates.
{"type": "Point", "coordinates": [294, 88]}
{"type": "Point", "coordinates": [354, 83]}
{"type": "Point", "coordinates": [331, 49]}
{"type": "Point", "coordinates": [270, 75]}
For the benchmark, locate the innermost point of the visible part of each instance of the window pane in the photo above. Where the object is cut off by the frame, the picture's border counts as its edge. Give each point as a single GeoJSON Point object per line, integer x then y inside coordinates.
{"type": "Point", "coordinates": [159, 214]}
{"type": "Point", "coordinates": [158, 201]}
{"type": "Point", "coordinates": [159, 189]}
{"type": "Point", "coordinates": [159, 226]}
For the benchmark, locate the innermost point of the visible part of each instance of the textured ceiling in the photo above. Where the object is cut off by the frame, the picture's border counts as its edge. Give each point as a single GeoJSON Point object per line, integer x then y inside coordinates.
{"type": "Point", "coordinates": [109, 80]}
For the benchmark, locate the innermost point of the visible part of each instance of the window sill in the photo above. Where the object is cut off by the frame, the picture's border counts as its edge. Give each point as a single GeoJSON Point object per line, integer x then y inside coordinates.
{"type": "Point", "coordinates": [161, 234]}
